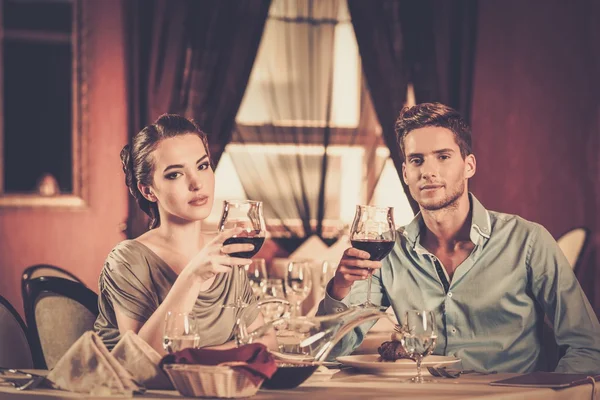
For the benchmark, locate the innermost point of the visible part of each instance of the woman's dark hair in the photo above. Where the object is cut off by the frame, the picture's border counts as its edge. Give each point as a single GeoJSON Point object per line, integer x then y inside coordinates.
{"type": "Point", "coordinates": [137, 160]}
{"type": "Point", "coordinates": [433, 114]}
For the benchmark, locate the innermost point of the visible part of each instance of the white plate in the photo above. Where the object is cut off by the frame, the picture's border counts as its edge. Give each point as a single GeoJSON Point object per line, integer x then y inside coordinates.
{"type": "Point", "coordinates": [370, 363]}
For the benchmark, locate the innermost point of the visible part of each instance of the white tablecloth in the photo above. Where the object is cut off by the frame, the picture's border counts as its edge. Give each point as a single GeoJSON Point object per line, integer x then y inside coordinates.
{"type": "Point", "coordinates": [347, 385]}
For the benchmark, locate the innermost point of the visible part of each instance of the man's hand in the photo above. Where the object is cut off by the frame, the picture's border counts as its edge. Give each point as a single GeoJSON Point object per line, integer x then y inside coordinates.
{"type": "Point", "coordinates": [354, 266]}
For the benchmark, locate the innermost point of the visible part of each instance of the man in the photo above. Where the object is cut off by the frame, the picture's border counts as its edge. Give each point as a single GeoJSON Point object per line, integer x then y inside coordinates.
{"type": "Point", "coordinates": [489, 277]}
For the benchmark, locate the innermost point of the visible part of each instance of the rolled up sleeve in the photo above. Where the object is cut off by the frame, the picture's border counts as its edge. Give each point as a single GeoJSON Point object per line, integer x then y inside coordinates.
{"type": "Point", "coordinates": [357, 295]}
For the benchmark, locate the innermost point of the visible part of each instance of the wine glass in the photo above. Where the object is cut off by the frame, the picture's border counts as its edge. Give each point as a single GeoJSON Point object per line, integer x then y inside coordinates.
{"type": "Point", "coordinates": [274, 291]}
{"type": "Point", "coordinates": [257, 274]}
{"type": "Point", "coordinates": [298, 283]}
{"type": "Point", "coordinates": [419, 337]}
{"type": "Point", "coordinates": [181, 331]}
{"type": "Point", "coordinates": [248, 215]}
{"type": "Point", "coordinates": [373, 231]}
{"type": "Point", "coordinates": [327, 273]}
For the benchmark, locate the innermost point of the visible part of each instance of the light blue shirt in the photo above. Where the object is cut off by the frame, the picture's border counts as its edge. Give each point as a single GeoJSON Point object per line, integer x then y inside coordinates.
{"type": "Point", "coordinates": [493, 312]}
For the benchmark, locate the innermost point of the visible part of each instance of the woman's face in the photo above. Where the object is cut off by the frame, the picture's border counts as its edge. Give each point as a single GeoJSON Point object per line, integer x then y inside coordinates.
{"type": "Point", "coordinates": [183, 181]}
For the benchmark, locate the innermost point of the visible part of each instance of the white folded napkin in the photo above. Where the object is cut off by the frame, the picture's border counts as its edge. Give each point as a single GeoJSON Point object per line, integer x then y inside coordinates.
{"type": "Point", "coordinates": [141, 360]}
{"type": "Point", "coordinates": [88, 367]}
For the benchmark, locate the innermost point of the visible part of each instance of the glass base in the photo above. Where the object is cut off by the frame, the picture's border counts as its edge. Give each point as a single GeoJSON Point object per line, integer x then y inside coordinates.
{"type": "Point", "coordinates": [421, 379]}
{"type": "Point", "coordinates": [369, 305]}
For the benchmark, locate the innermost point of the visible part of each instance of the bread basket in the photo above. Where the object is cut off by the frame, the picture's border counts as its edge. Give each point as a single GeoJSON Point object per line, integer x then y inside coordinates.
{"type": "Point", "coordinates": [194, 380]}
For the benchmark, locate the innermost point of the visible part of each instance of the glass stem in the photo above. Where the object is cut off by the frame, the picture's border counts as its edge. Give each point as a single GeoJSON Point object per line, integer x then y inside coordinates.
{"type": "Point", "coordinates": [369, 279]}
{"type": "Point", "coordinates": [241, 272]}
{"type": "Point", "coordinates": [295, 311]}
{"type": "Point", "coordinates": [419, 377]}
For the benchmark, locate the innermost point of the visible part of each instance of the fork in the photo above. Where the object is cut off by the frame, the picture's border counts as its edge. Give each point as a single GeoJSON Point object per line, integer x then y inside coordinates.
{"type": "Point", "coordinates": [32, 380]}
{"type": "Point", "coordinates": [444, 373]}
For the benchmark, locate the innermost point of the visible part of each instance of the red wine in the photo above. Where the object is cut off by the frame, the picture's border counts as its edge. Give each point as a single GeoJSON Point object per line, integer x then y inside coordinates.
{"type": "Point", "coordinates": [378, 249]}
{"type": "Point", "coordinates": [289, 376]}
{"type": "Point", "coordinates": [256, 241]}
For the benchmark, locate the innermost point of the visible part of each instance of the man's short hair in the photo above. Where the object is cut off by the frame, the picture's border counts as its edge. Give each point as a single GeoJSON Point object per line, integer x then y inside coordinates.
{"type": "Point", "coordinates": [433, 114]}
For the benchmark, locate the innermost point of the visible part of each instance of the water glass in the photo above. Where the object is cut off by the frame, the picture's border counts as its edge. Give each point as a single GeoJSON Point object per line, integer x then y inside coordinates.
{"type": "Point", "coordinates": [181, 331]}
{"type": "Point", "coordinates": [419, 337]}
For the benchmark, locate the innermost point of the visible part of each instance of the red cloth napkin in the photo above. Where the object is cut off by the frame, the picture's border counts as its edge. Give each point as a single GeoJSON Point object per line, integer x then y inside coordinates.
{"type": "Point", "coordinates": [260, 364]}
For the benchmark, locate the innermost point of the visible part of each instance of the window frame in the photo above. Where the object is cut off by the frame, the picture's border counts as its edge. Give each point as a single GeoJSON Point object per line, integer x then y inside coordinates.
{"type": "Point", "coordinates": [78, 198]}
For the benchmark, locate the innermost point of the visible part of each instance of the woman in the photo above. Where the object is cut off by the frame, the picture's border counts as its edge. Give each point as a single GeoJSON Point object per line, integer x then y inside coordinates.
{"type": "Point", "coordinates": [174, 266]}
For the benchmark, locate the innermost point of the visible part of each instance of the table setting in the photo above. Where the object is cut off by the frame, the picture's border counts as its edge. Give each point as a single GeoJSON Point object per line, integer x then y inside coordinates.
{"type": "Point", "coordinates": [298, 368]}
{"type": "Point", "coordinates": [405, 364]}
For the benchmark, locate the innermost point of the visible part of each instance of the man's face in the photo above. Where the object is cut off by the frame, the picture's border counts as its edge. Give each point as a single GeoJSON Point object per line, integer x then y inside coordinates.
{"type": "Point", "coordinates": [434, 169]}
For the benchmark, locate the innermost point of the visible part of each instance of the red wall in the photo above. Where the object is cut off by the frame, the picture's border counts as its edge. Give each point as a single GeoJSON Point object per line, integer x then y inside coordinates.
{"type": "Point", "coordinates": [536, 115]}
{"type": "Point", "coordinates": [79, 241]}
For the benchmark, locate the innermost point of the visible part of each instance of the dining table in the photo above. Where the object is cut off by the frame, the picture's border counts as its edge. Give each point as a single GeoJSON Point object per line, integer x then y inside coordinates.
{"type": "Point", "coordinates": [348, 383]}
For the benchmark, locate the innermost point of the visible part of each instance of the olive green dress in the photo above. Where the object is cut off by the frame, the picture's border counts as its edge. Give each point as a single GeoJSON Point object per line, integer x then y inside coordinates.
{"type": "Point", "coordinates": [136, 281]}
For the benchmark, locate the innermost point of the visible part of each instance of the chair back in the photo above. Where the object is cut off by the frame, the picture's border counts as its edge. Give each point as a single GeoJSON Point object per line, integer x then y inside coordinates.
{"type": "Point", "coordinates": [59, 312]}
{"type": "Point", "coordinates": [39, 270]}
{"type": "Point", "coordinates": [573, 244]}
{"type": "Point", "coordinates": [14, 345]}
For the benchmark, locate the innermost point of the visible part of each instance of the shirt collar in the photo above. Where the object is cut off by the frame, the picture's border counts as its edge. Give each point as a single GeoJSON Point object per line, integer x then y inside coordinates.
{"type": "Point", "coordinates": [481, 228]}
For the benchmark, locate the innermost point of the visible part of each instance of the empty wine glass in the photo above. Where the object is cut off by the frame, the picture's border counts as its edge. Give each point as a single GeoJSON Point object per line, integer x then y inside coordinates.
{"type": "Point", "coordinates": [373, 231]}
{"type": "Point", "coordinates": [181, 331]}
{"type": "Point", "coordinates": [257, 274]}
{"type": "Point", "coordinates": [298, 283]}
{"type": "Point", "coordinates": [327, 272]}
{"type": "Point", "coordinates": [419, 337]}
{"type": "Point", "coordinates": [274, 290]}
{"type": "Point", "coordinates": [248, 215]}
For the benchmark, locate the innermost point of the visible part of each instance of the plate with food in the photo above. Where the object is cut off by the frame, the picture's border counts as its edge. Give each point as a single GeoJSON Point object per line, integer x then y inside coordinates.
{"type": "Point", "coordinates": [393, 360]}
{"type": "Point", "coordinates": [374, 364]}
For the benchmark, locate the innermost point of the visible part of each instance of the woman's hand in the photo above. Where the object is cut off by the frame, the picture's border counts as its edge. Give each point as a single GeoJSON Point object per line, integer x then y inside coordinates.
{"type": "Point", "coordinates": [215, 258]}
{"type": "Point", "coordinates": [354, 266]}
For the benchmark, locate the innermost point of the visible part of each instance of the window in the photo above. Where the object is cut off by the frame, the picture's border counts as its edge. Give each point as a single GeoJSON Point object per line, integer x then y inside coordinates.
{"type": "Point", "coordinates": [345, 166]}
{"type": "Point", "coordinates": [308, 61]}
{"type": "Point", "coordinates": [344, 191]}
{"type": "Point", "coordinates": [287, 90]}
{"type": "Point", "coordinates": [389, 191]}
{"type": "Point", "coordinates": [41, 103]}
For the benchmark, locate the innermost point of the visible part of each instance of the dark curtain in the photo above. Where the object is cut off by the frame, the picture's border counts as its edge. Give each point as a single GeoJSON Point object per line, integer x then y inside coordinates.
{"type": "Point", "coordinates": [588, 272]}
{"type": "Point", "coordinates": [428, 43]}
{"type": "Point", "coordinates": [193, 58]}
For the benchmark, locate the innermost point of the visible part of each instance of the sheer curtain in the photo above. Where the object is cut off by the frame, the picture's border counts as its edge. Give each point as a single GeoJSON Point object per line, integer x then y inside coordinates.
{"type": "Point", "coordinates": [298, 117]}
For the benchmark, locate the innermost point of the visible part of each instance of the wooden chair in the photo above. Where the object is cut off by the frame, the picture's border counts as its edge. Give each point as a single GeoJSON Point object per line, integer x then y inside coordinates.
{"type": "Point", "coordinates": [573, 244]}
{"type": "Point", "coordinates": [59, 311]}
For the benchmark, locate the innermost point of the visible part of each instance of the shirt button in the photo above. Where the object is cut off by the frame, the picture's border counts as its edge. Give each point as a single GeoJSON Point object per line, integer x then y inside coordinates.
{"type": "Point", "coordinates": [453, 330]}
{"type": "Point", "coordinates": [449, 294]}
